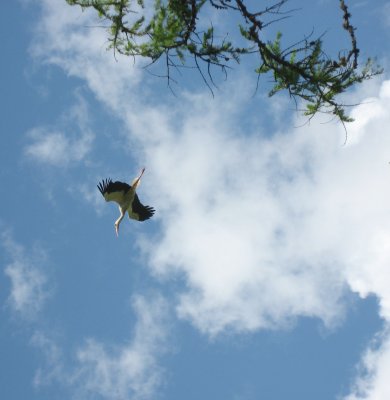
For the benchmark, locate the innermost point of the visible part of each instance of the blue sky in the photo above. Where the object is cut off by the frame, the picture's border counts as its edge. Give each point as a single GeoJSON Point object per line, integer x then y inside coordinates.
{"type": "Point", "coordinates": [264, 273]}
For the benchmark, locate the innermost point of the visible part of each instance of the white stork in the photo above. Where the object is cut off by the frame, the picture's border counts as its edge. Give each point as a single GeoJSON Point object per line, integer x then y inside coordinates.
{"type": "Point", "coordinates": [127, 198]}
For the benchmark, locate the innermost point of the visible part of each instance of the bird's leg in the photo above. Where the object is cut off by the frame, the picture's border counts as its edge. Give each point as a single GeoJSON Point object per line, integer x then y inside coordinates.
{"type": "Point", "coordinates": [136, 181]}
{"type": "Point", "coordinates": [118, 221]}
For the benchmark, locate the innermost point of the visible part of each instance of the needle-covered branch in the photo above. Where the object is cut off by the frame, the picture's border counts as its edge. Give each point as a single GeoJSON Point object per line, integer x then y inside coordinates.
{"type": "Point", "coordinates": [171, 30]}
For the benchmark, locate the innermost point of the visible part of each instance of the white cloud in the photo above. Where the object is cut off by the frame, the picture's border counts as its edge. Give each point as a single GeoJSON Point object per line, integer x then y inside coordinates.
{"type": "Point", "coordinates": [56, 148]}
{"type": "Point", "coordinates": [76, 41]}
{"type": "Point", "coordinates": [374, 371]}
{"type": "Point", "coordinates": [53, 356]}
{"type": "Point", "coordinates": [29, 284]}
{"type": "Point", "coordinates": [264, 230]}
{"type": "Point", "coordinates": [128, 371]}
{"type": "Point", "coordinates": [62, 146]}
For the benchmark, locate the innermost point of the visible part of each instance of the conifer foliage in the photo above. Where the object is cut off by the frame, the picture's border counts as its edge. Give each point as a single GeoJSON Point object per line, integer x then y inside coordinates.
{"type": "Point", "coordinates": [181, 34]}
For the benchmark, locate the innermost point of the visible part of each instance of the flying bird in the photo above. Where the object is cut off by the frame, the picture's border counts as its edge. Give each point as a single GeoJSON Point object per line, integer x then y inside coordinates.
{"type": "Point", "coordinates": [127, 198]}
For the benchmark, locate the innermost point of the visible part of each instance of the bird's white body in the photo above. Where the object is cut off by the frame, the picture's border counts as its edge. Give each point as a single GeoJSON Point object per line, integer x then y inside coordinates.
{"type": "Point", "coordinates": [127, 199]}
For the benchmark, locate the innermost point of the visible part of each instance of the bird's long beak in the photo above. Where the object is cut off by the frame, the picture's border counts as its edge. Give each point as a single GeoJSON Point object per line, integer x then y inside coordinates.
{"type": "Point", "coordinates": [117, 230]}
{"type": "Point", "coordinates": [136, 181]}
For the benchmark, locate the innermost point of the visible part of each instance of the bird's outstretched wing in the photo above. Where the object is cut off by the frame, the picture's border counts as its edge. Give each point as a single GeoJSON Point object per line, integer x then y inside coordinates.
{"type": "Point", "coordinates": [113, 191]}
{"type": "Point", "coordinates": [138, 211]}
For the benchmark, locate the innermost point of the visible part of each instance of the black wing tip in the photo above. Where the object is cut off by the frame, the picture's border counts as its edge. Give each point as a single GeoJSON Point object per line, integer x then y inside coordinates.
{"type": "Point", "coordinates": [147, 213]}
{"type": "Point", "coordinates": [143, 212]}
{"type": "Point", "coordinates": [151, 211]}
{"type": "Point", "coordinates": [103, 185]}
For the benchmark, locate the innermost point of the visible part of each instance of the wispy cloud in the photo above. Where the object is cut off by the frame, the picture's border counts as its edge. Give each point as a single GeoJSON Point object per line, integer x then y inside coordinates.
{"type": "Point", "coordinates": [29, 287]}
{"type": "Point", "coordinates": [65, 144]}
{"type": "Point", "coordinates": [56, 148]}
{"type": "Point", "coordinates": [52, 353]}
{"type": "Point", "coordinates": [90, 195]}
{"type": "Point", "coordinates": [78, 44]}
{"type": "Point", "coordinates": [128, 371]}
